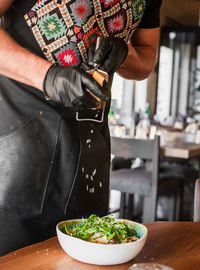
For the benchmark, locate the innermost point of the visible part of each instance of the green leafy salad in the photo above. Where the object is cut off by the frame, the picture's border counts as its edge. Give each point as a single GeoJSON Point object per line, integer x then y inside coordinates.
{"type": "Point", "coordinates": [105, 230]}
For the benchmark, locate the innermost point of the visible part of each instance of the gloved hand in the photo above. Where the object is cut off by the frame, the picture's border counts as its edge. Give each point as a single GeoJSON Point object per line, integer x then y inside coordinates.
{"type": "Point", "coordinates": [110, 54]}
{"type": "Point", "coordinates": [67, 86]}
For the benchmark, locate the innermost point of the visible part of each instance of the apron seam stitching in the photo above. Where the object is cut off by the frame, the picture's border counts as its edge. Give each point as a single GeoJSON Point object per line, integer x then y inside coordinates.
{"type": "Point", "coordinates": [18, 129]}
{"type": "Point", "coordinates": [50, 169]}
{"type": "Point", "coordinates": [75, 176]}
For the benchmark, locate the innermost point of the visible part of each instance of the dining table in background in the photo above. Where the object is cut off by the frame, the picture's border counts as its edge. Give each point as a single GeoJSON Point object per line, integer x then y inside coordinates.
{"type": "Point", "coordinates": [179, 144]}
{"type": "Point", "coordinates": [180, 150]}
{"type": "Point", "coordinates": [175, 244]}
{"type": "Point", "coordinates": [175, 144]}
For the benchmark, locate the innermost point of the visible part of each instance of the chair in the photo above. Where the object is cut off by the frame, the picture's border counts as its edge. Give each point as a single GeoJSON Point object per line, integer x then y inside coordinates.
{"type": "Point", "coordinates": [187, 173]}
{"type": "Point", "coordinates": [143, 180]}
{"type": "Point", "coordinates": [197, 201]}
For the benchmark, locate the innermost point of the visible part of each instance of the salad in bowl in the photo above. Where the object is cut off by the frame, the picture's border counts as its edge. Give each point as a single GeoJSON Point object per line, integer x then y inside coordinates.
{"type": "Point", "coordinates": [101, 241]}
{"type": "Point", "coordinates": [105, 230]}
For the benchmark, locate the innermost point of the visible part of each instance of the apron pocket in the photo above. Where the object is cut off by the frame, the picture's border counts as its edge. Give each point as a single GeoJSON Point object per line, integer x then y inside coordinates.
{"type": "Point", "coordinates": [26, 158]}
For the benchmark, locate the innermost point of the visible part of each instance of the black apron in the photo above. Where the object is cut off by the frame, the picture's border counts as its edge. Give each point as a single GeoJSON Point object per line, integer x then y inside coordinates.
{"type": "Point", "coordinates": [54, 163]}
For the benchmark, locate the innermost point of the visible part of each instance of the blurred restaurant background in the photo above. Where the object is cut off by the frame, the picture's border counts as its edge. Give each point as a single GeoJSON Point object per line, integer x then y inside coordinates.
{"type": "Point", "coordinates": [163, 109]}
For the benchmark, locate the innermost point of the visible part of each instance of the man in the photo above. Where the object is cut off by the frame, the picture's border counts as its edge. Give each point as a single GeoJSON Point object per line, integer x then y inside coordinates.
{"type": "Point", "coordinates": [54, 144]}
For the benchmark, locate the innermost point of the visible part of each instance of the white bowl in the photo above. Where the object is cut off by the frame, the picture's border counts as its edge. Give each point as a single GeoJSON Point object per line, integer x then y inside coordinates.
{"type": "Point", "coordinates": [101, 254]}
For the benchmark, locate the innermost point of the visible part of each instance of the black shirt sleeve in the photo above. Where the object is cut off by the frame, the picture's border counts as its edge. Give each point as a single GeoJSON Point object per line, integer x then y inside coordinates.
{"type": "Point", "coordinates": [151, 17]}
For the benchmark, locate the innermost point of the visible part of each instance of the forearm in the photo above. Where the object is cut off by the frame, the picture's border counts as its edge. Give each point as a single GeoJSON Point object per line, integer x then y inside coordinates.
{"type": "Point", "coordinates": [139, 62]}
{"type": "Point", "coordinates": [19, 64]}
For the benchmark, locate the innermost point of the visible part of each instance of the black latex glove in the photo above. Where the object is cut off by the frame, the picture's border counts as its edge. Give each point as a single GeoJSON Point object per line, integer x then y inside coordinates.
{"type": "Point", "coordinates": [110, 54]}
{"type": "Point", "coordinates": [67, 86]}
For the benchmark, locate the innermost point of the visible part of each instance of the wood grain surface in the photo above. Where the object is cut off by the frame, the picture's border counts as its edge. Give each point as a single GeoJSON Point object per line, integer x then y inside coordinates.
{"type": "Point", "coordinates": [176, 244]}
{"type": "Point", "coordinates": [181, 150]}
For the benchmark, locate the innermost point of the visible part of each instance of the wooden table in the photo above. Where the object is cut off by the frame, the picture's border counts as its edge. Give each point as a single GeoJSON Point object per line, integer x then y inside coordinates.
{"type": "Point", "coordinates": [176, 244]}
{"type": "Point", "coordinates": [182, 150]}
{"type": "Point", "coordinates": [173, 147]}
{"type": "Point", "coordinates": [178, 145]}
